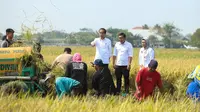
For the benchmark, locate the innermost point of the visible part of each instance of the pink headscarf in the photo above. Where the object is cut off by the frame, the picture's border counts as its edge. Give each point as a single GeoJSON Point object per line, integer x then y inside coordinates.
{"type": "Point", "coordinates": [77, 57]}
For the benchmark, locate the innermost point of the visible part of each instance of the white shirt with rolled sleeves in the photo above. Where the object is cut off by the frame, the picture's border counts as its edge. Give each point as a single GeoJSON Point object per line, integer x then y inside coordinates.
{"type": "Point", "coordinates": [145, 56]}
{"type": "Point", "coordinates": [122, 53]}
{"type": "Point", "coordinates": [103, 49]}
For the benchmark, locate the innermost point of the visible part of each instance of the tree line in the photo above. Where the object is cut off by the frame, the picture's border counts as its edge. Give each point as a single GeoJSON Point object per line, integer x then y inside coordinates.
{"type": "Point", "coordinates": [171, 36]}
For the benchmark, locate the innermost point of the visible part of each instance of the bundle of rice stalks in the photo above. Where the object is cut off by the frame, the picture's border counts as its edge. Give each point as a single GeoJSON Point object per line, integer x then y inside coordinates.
{"type": "Point", "coordinates": [14, 87]}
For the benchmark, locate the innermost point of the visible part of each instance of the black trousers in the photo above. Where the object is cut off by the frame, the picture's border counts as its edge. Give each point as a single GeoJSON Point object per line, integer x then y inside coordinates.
{"type": "Point", "coordinates": [119, 71]}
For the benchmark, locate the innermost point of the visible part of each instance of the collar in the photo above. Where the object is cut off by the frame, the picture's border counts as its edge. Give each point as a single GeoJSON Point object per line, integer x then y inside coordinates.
{"type": "Point", "coordinates": [145, 48]}
{"type": "Point", "coordinates": [100, 70]}
{"type": "Point", "coordinates": [8, 41]}
{"type": "Point", "coordinates": [123, 43]}
{"type": "Point", "coordinates": [102, 39]}
{"type": "Point", "coordinates": [7, 38]}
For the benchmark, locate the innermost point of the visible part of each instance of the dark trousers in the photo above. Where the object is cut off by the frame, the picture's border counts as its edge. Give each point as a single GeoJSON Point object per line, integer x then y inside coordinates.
{"type": "Point", "coordinates": [119, 71]}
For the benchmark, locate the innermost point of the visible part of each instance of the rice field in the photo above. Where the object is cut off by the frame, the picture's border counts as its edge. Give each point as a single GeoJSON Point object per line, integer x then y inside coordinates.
{"type": "Point", "coordinates": [173, 64]}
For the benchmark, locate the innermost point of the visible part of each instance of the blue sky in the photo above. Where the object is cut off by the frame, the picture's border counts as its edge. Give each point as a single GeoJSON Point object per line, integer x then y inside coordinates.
{"type": "Point", "coordinates": [71, 15]}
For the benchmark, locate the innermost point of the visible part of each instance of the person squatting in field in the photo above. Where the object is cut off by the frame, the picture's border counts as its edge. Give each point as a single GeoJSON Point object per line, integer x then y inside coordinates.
{"type": "Point", "coordinates": [146, 81]}
{"type": "Point", "coordinates": [193, 89]}
{"type": "Point", "coordinates": [102, 81]}
{"type": "Point", "coordinates": [77, 70]}
{"type": "Point", "coordinates": [63, 85]}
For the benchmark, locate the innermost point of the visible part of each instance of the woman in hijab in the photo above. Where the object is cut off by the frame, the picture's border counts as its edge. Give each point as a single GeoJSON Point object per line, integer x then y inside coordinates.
{"type": "Point", "coordinates": [77, 70]}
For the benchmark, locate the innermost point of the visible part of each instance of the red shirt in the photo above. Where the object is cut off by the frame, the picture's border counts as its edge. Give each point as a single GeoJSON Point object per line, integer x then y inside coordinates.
{"type": "Point", "coordinates": [147, 81]}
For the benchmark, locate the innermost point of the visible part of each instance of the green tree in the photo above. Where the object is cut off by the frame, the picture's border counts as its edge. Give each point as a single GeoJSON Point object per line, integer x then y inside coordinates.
{"type": "Point", "coordinates": [55, 34]}
{"type": "Point", "coordinates": [39, 37]}
{"type": "Point", "coordinates": [158, 29]}
{"type": "Point", "coordinates": [145, 26]}
{"type": "Point", "coordinates": [152, 40]}
{"type": "Point", "coordinates": [136, 40]}
{"type": "Point", "coordinates": [115, 31]}
{"type": "Point", "coordinates": [168, 31]}
{"type": "Point", "coordinates": [188, 36]}
{"type": "Point", "coordinates": [84, 38]}
{"type": "Point", "coordinates": [195, 39]}
{"type": "Point", "coordinates": [86, 30]}
{"type": "Point", "coordinates": [70, 39]}
{"type": "Point", "coordinates": [1, 35]}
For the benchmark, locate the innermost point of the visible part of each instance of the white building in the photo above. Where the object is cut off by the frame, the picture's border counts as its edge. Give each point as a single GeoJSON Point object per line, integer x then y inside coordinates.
{"type": "Point", "coordinates": [145, 33]}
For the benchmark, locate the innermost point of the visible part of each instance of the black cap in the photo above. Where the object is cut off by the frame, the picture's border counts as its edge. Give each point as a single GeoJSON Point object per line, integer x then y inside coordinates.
{"type": "Point", "coordinates": [9, 30]}
{"type": "Point", "coordinates": [98, 62]}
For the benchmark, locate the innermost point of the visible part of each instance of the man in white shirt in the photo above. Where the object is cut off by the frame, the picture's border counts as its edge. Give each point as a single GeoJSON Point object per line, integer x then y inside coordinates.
{"type": "Point", "coordinates": [122, 58]}
{"type": "Point", "coordinates": [146, 54]}
{"type": "Point", "coordinates": [103, 47]}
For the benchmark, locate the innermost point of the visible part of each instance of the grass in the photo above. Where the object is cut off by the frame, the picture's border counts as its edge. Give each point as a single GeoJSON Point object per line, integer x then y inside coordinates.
{"type": "Point", "coordinates": [174, 65]}
{"type": "Point", "coordinates": [91, 104]}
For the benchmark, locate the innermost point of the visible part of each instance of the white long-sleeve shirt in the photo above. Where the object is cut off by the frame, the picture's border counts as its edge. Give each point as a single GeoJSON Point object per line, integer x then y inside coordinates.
{"type": "Point", "coordinates": [123, 52]}
{"type": "Point", "coordinates": [103, 49]}
{"type": "Point", "coordinates": [145, 56]}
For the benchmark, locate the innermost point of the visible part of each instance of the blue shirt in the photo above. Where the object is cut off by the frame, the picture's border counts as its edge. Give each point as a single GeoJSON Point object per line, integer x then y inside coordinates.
{"type": "Point", "coordinates": [64, 85]}
{"type": "Point", "coordinates": [193, 90]}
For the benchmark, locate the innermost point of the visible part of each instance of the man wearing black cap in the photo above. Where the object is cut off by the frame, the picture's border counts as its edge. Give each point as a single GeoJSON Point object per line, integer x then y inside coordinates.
{"type": "Point", "coordinates": [146, 81]}
{"type": "Point", "coordinates": [8, 39]}
{"type": "Point", "coordinates": [102, 81]}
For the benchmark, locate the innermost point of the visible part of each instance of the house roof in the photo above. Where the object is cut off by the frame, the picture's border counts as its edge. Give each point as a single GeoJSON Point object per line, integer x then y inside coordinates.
{"type": "Point", "coordinates": [137, 28]}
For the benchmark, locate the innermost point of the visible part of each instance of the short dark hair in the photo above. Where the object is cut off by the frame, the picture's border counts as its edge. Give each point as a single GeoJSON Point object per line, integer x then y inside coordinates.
{"type": "Point", "coordinates": [103, 30]}
{"type": "Point", "coordinates": [68, 50]}
{"type": "Point", "coordinates": [144, 39]}
{"type": "Point", "coordinates": [153, 64]}
{"type": "Point", "coordinates": [9, 30]}
{"type": "Point", "coordinates": [122, 34]}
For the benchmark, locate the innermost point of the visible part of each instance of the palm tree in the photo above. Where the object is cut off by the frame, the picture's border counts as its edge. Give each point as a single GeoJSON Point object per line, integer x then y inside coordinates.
{"type": "Point", "coordinates": [145, 26]}
{"type": "Point", "coordinates": [168, 30]}
{"type": "Point", "coordinates": [152, 40]}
